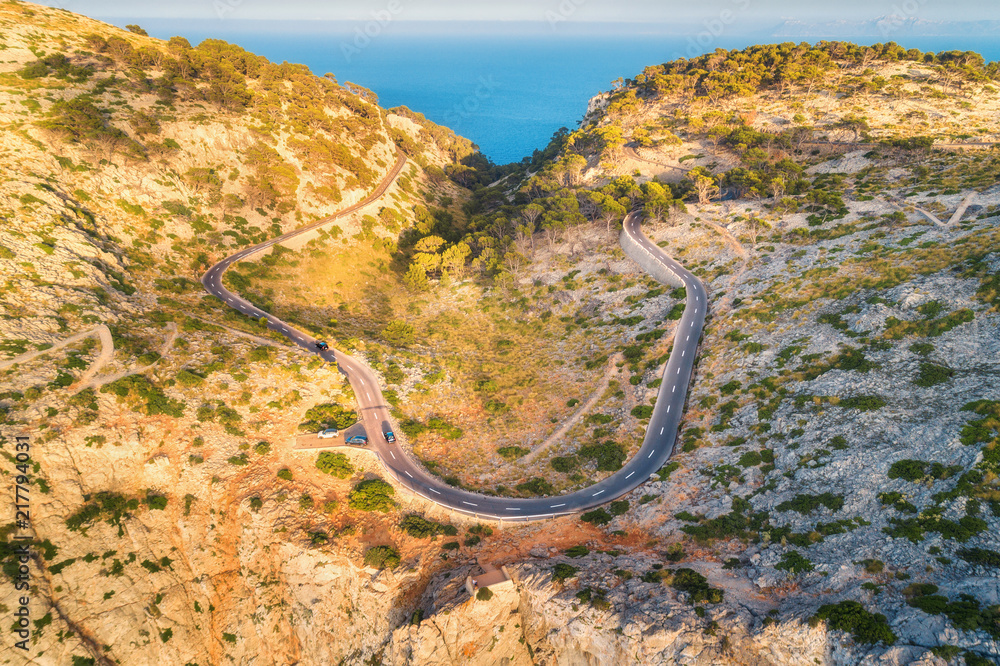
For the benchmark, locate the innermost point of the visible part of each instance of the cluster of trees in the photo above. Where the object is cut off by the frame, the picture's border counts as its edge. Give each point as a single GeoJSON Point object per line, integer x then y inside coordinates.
{"type": "Point", "coordinates": [780, 67]}
{"type": "Point", "coordinates": [502, 227]}
{"type": "Point", "coordinates": [330, 142]}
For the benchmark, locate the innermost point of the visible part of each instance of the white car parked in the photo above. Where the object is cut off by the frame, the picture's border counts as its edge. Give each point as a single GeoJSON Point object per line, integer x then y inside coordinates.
{"type": "Point", "coordinates": [329, 433]}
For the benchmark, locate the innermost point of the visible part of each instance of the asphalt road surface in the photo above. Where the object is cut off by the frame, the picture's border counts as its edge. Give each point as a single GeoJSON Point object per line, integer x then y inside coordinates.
{"type": "Point", "coordinates": [374, 412]}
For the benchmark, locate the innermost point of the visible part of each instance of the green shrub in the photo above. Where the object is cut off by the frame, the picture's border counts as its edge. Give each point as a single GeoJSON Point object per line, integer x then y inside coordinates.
{"type": "Point", "coordinates": [156, 502]}
{"type": "Point", "coordinates": [419, 527]}
{"type": "Point", "coordinates": [189, 379]}
{"type": "Point", "coordinates": [372, 495]}
{"type": "Point", "coordinates": [564, 464]}
{"type": "Point", "coordinates": [285, 474]}
{"type": "Point", "coordinates": [484, 594]}
{"type": "Point", "coordinates": [668, 469]}
{"type": "Point", "coordinates": [336, 464]}
{"type": "Point", "coordinates": [563, 572]}
{"type": "Point", "coordinates": [330, 415]}
{"type": "Point", "coordinates": [578, 551]}
{"type": "Point", "coordinates": [642, 411]}
{"type": "Point", "coordinates": [865, 403]}
{"type": "Point", "coordinates": [932, 374]}
{"type": "Point", "coordinates": [596, 517]}
{"type": "Point", "coordinates": [399, 333]}
{"type": "Point", "coordinates": [908, 470]}
{"type": "Point", "coordinates": [143, 396]}
{"type": "Point", "coordinates": [981, 556]}
{"type": "Point", "coordinates": [794, 563]}
{"type": "Point", "coordinates": [809, 503]}
{"type": "Point", "coordinates": [382, 557]}
{"type": "Point", "coordinates": [851, 616]}
{"type": "Point", "coordinates": [111, 507]}
{"type": "Point", "coordinates": [618, 507]}
{"type": "Point", "coordinates": [536, 486]}
{"type": "Point", "coordinates": [695, 585]}
{"type": "Point", "coordinates": [730, 388]}
{"type": "Point", "coordinates": [512, 452]}
{"type": "Point", "coordinates": [609, 456]}
{"type": "Point", "coordinates": [750, 459]}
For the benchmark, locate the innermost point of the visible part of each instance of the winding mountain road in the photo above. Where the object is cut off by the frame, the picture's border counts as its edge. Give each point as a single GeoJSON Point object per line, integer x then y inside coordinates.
{"type": "Point", "coordinates": [656, 447]}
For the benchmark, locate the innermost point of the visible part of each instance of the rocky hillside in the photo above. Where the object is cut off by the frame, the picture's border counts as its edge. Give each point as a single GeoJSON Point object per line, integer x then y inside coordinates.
{"type": "Point", "coordinates": [835, 495]}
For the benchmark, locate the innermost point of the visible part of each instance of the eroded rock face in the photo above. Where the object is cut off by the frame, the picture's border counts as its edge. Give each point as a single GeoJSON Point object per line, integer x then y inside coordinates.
{"type": "Point", "coordinates": [536, 621]}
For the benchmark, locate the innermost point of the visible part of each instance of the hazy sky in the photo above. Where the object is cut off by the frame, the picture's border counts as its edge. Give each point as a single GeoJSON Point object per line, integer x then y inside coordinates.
{"type": "Point", "coordinates": [663, 11]}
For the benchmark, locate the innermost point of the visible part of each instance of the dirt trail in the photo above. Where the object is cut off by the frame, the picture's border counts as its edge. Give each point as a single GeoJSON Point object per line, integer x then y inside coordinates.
{"type": "Point", "coordinates": [932, 217]}
{"type": "Point", "coordinates": [724, 303]}
{"type": "Point", "coordinates": [242, 334]}
{"type": "Point", "coordinates": [962, 207]}
{"type": "Point", "coordinates": [97, 382]}
{"type": "Point", "coordinates": [102, 332]}
{"type": "Point", "coordinates": [731, 239]}
{"type": "Point", "coordinates": [107, 352]}
{"type": "Point", "coordinates": [573, 420]}
{"type": "Point", "coordinates": [634, 154]}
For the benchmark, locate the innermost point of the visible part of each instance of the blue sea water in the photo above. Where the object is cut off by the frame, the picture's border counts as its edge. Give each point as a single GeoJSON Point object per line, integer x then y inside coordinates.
{"type": "Point", "coordinates": [506, 92]}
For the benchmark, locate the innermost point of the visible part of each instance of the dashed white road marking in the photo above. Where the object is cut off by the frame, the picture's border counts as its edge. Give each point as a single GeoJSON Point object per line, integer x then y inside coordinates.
{"type": "Point", "coordinates": [651, 454]}
{"type": "Point", "coordinates": [408, 473]}
{"type": "Point", "coordinates": [662, 429]}
{"type": "Point", "coordinates": [512, 509]}
{"type": "Point", "coordinates": [629, 474]}
{"type": "Point", "coordinates": [668, 409]}
{"type": "Point", "coordinates": [597, 493]}
{"type": "Point", "coordinates": [436, 492]}
{"type": "Point", "coordinates": [392, 454]}
{"type": "Point", "coordinates": [556, 506]}
{"type": "Point", "coordinates": [674, 390]}
{"type": "Point", "coordinates": [469, 503]}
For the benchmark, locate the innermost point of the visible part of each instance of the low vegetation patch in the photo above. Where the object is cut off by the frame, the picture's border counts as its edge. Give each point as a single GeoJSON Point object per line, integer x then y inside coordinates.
{"type": "Point", "coordinates": [851, 616]}
{"type": "Point", "coordinates": [382, 557]}
{"type": "Point", "coordinates": [335, 464]}
{"type": "Point", "coordinates": [809, 503]}
{"type": "Point", "coordinates": [372, 495]}
{"type": "Point", "coordinates": [419, 527]}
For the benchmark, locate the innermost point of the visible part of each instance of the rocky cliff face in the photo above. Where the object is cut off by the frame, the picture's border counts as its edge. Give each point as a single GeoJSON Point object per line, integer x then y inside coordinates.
{"type": "Point", "coordinates": [840, 450]}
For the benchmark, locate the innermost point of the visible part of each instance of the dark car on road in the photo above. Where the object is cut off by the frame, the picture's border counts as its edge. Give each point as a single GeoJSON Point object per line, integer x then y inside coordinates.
{"type": "Point", "coordinates": [389, 437]}
{"type": "Point", "coordinates": [360, 440]}
{"type": "Point", "coordinates": [322, 346]}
